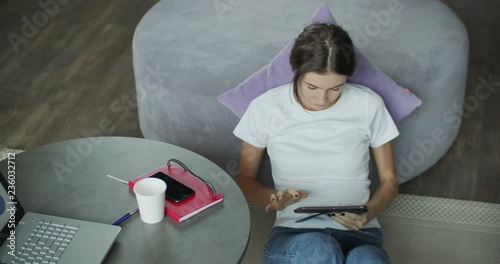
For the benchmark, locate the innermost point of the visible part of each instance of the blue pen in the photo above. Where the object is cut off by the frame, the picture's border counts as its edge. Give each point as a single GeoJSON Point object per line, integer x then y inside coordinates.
{"type": "Point", "coordinates": [126, 216]}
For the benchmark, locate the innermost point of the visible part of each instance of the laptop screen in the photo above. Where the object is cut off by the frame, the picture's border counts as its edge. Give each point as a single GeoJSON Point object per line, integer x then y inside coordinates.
{"type": "Point", "coordinates": [11, 211]}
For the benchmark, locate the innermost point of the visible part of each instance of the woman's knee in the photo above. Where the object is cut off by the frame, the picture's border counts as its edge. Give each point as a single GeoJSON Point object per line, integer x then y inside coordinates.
{"type": "Point", "coordinates": [308, 247]}
{"type": "Point", "coordinates": [368, 254]}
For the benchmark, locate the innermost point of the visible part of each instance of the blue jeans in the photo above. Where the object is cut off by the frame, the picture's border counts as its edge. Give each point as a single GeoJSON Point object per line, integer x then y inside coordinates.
{"type": "Point", "coordinates": [307, 245]}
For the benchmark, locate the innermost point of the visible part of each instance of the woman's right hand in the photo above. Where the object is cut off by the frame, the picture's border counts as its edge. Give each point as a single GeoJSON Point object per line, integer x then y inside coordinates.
{"type": "Point", "coordinates": [282, 199]}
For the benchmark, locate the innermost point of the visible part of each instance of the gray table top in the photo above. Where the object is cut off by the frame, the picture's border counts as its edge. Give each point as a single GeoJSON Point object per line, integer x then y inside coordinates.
{"type": "Point", "coordinates": [69, 179]}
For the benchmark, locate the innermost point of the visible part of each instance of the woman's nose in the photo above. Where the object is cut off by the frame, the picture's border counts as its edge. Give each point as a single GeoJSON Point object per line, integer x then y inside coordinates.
{"type": "Point", "coordinates": [322, 99]}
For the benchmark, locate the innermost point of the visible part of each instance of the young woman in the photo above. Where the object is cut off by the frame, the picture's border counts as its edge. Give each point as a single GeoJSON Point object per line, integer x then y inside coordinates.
{"type": "Point", "coordinates": [318, 132]}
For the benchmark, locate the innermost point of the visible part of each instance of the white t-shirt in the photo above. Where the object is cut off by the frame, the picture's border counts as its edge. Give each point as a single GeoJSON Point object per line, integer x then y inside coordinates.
{"type": "Point", "coordinates": [325, 153]}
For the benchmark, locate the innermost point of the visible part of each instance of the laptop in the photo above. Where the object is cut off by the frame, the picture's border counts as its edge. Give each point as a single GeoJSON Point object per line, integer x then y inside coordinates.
{"type": "Point", "coordinates": [37, 238]}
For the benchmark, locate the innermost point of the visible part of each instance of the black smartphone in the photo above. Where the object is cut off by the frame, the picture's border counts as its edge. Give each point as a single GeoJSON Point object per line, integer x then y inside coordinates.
{"type": "Point", "coordinates": [361, 209]}
{"type": "Point", "coordinates": [176, 191]}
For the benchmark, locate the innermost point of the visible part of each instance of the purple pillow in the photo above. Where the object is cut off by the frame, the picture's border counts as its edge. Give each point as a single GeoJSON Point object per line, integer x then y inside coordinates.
{"type": "Point", "coordinates": [400, 102]}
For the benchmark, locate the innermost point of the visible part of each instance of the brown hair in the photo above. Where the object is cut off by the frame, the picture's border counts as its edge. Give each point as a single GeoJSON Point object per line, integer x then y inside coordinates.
{"type": "Point", "coordinates": [322, 48]}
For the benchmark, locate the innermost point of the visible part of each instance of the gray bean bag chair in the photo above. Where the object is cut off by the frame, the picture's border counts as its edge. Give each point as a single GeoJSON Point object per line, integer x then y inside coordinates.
{"type": "Point", "coordinates": [186, 53]}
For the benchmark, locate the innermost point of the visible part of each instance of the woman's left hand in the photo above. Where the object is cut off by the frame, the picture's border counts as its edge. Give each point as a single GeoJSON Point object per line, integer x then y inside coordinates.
{"type": "Point", "coordinates": [353, 222]}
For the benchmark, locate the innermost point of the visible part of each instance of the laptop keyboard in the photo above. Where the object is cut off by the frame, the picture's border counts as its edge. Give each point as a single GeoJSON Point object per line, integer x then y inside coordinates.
{"type": "Point", "coordinates": [46, 243]}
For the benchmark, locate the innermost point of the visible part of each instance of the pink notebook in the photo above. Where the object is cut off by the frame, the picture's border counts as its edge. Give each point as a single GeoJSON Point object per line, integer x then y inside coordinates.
{"type": "Point", "coordinates": [202, 199]}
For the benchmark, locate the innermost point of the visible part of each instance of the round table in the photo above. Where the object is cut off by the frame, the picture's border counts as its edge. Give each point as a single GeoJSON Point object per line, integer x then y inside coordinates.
{"type": "Point", "coordinates": [69, 179]}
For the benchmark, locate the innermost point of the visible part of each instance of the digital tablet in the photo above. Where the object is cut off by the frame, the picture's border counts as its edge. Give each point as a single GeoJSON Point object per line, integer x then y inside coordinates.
{"type": "Point", "coordinates": [359, 209]}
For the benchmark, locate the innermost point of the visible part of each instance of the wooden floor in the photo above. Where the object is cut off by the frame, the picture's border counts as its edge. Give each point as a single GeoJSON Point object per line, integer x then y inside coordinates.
{"type": "Point", "coordinates": [61, 69]}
